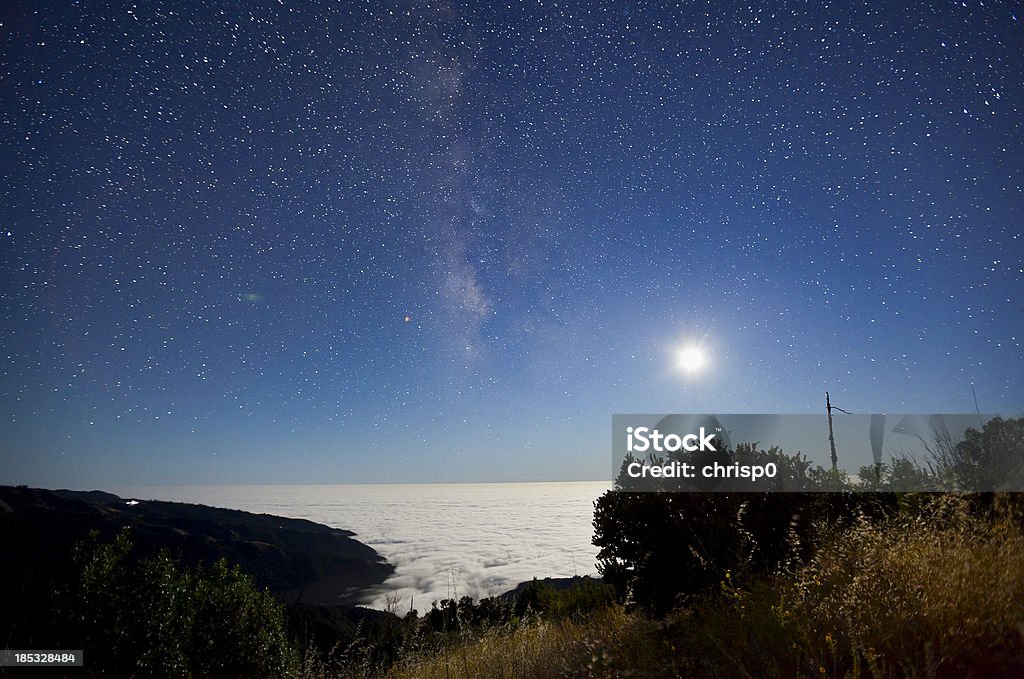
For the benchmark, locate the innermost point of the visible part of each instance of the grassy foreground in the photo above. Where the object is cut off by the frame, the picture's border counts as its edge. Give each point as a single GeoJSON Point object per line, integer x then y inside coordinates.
{"type": "Point", "coordinates": [546, 649]}
{"type": "Point", "coordinates": [930, 593]}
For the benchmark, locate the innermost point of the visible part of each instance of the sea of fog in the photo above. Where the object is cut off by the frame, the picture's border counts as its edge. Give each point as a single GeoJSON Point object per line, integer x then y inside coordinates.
{"type": "Point", "coordinates": [443, 539]}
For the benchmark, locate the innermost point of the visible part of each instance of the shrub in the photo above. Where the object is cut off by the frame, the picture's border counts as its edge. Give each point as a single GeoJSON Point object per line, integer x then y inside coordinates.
{"type": "Point", "coordinates": [149, 617]}
{"type": "Point", "coordinates": [658, 548]}
{"type": "Point", "coordinates": [581, 598]}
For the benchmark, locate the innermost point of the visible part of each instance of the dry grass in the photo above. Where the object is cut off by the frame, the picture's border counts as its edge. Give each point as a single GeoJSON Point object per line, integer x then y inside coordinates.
{"type": "Point", "coordinates": [936, 593]}
{"type": "Point", "coordinates": [609, 643]}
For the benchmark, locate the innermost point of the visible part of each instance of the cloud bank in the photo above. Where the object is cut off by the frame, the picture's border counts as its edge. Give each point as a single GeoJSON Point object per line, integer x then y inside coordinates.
{"type": "Point", "coordinates": [445, 540]}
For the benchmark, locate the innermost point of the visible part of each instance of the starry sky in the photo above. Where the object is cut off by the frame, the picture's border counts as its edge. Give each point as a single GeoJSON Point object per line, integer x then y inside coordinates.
{"type": "Point", "coordinates": [296, 241]}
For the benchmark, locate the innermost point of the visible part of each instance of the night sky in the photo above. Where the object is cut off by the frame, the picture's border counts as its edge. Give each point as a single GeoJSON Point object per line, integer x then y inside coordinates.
{"type": "Point", "coordinates": [316, 242]}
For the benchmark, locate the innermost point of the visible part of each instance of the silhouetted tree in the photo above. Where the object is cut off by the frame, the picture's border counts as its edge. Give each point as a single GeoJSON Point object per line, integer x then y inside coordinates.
{"type": "Point", "coordinates": [657, 548]}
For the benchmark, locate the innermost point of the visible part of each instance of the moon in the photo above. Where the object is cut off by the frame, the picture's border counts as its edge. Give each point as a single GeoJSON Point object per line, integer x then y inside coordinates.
{"type": "Point", "coordinates": [691, 359]}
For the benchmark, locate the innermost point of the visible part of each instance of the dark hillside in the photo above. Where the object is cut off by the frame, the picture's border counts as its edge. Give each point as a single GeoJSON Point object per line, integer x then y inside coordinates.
{"type": "Point", "coordinates": [297, 560]}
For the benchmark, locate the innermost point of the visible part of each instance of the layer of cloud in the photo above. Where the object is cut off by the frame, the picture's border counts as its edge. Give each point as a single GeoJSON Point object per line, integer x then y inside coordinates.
{"type": "Point", "coordinates": [444, 540]}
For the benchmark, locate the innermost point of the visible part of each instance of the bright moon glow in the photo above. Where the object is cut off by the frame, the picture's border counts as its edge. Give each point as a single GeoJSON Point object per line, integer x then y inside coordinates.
{"type": "Point", "coordinates": [691, 359]}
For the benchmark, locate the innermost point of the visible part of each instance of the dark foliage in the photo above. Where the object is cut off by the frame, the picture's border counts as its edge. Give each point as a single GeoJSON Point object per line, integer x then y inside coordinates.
{"type": "Point", "coordinates": [657, 548]}
{"type": "Point", "coordinates": [152, 617]}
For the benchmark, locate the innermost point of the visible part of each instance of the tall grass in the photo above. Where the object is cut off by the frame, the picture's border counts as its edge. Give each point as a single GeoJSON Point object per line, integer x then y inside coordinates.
{"type": "Point", "coordinates": [939, 592]}
{"type": "Point", "coordinates": [607, 643]}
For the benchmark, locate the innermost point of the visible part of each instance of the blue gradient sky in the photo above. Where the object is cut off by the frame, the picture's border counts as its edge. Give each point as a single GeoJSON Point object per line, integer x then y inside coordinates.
{"type": "Point", "coordinates": [300, 242]}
